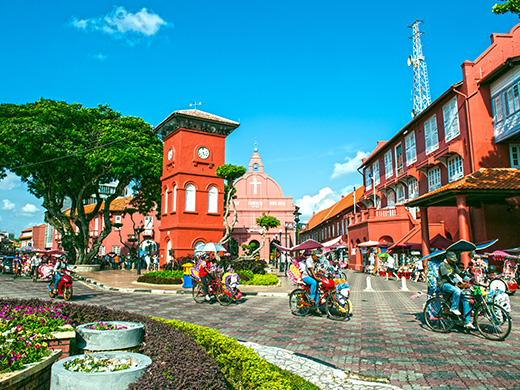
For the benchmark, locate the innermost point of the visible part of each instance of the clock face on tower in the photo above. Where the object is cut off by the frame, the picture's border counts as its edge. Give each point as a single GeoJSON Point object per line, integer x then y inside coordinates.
{"type": "Point", "coordinates": [170, 154]}
{"type": "Point", "coordinates": [203, 152]}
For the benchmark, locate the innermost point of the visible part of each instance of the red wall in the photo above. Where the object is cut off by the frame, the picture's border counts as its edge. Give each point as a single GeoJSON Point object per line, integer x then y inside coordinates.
{"type": "Point", "coordinates": [184, 228]}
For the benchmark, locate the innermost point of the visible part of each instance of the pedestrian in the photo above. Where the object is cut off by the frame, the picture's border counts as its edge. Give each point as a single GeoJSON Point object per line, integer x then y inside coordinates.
{"type": "Point", "coordinates": [282, 262]}
{"type": "Point", "coordinates": [390, 266]}
{"type": "Point", "coordinates": [116, 262]}
{"type": "Point", "coordinates": [148, 261]}
{"type": "Point", "coordinates": [419, 270]}
{"type": "Point", "coordinates": [35, 263]}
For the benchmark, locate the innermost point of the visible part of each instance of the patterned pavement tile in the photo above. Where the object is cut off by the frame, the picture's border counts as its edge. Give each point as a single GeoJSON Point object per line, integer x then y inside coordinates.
{"type": "Point", "coordinates": [385, 338]}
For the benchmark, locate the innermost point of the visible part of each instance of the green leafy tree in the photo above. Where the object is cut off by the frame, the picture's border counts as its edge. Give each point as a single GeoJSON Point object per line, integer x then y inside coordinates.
{"type": "Point", "coordinates": [266, 222]}
{"type": "Point", "coordinates": [512, 6]}
{"type": "Point", "coordinates": [229, 173]}
{"type": "Point", "coordinates": [66, 151]}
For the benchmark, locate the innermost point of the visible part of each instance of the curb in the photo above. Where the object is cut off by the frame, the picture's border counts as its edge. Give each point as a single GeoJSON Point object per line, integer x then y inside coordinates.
{"type": "Point", "coordinates": [155, 291]}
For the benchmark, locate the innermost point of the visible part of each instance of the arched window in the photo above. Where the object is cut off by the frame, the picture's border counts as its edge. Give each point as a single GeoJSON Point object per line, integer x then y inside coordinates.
{"type": "Point", "coordinates": [166, 200]}
{"type": "Point", "coordinates": [190, 198]}
{"type": "Point", "coordinates": [400, 193]}
{"type": "Point", "coordinates": [213, 200]}
{"type": "Point", "coordinates": [169, 257]}
{"type": "Point", "coordinates": [390, 199]}
{"type": "Point", "coordinates": [174, 205]}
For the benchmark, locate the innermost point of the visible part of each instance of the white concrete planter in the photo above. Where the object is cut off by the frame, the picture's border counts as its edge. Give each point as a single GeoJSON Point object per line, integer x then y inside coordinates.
{"type": "Point", "coordinates": [30, 375]}
{"type": "Point", "coordinates": [110, 340]}
{"type": "Point", "coordinates": [85, 267]}
{"type": "Point", "coordinates": [63, 379]}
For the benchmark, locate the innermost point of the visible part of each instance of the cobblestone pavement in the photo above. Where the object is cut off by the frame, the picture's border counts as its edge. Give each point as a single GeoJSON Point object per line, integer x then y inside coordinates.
{"type": "Point", "coordinates": [385, 338]}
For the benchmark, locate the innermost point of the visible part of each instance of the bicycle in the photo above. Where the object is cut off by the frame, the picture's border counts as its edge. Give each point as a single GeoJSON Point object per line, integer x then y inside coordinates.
{"type": "Point", "coordinates": [215, 287]}
{"type": "Point", "coordinates": [491, 320]}
{"type": "Point", "coordinates": [337, 304]}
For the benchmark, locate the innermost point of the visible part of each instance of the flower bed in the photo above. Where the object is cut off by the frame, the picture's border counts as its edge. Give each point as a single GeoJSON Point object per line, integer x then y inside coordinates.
{"type": "Point", "coordinates": [92, 363]}
{"type": "Point", "coordinates": [24, 329]}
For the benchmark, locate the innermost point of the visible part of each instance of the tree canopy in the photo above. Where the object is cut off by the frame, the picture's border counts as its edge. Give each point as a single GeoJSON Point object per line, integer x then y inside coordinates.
{"type": "Point", "coordinates": [512, 6]}
{"type": "Point", "coordinates": [64, 152]}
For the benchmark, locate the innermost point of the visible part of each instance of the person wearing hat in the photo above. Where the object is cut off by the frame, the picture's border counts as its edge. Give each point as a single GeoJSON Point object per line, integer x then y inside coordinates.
{"type": "Point", "coordinates": [451, 282]}
{"type": "Point", "coordinates": [309, 276]}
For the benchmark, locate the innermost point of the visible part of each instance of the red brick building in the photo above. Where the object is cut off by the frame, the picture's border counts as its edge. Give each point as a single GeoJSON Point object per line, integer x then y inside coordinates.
{"type": "Point", "coordinates": [192, 194]}
{"type": "Point", "coordinates": [112, 243]}
{"type": "Point", "coordinates": [438, 174]}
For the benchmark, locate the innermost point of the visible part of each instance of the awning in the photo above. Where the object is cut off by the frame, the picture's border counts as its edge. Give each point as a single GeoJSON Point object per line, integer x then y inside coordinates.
{"type": "Point", "coordinates": [281, 248]}
{"type": "Point", "coordinates": [332, 242]}
{"type": "Point", "coordinates": [367, 244]}
{"type": "Point", "coordinates": [440, 242]}
{"type": "Point", "coordinates": [309, 244]}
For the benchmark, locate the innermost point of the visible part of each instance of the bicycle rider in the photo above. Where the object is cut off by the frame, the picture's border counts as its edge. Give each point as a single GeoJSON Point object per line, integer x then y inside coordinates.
{"type": "Point", "coordinates": [309, 276]}
{"type": "Point", "coordinates": [206, 277]}
{"type": "Point", "coordinates": [450, 281]}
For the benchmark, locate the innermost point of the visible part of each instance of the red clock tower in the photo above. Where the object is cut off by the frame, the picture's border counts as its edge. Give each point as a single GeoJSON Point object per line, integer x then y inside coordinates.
{"type": "Point", "coordinates": [192, 193]}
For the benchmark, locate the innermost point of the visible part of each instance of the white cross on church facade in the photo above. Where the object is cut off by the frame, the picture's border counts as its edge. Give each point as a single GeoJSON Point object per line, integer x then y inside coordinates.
{"type": "Point", "coordinates": [255, 184]}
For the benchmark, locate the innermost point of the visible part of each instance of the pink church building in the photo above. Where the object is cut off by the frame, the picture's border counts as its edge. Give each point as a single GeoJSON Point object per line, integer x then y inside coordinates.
{"type": "Point", "coordinates": [258, 193]}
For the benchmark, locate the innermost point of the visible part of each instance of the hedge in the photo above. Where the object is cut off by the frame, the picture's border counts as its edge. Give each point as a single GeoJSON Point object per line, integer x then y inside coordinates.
{"type": "Point", "coordinates": [263, 280]}
{"type": "Point", "coordinates": [162, 277]}
{"type": "Point", "coordinates": [243, 368]}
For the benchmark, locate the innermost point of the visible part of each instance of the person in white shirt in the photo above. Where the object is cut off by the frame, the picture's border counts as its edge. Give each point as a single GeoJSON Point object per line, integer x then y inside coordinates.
{"type": "Point", "coordinates": [390, 267]}
{"type": "Point", "coordinates": [35, 263]}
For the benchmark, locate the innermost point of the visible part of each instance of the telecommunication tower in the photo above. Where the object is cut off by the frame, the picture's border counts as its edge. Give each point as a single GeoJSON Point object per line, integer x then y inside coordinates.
{"type": "Point", "coordinates": [421, 86]}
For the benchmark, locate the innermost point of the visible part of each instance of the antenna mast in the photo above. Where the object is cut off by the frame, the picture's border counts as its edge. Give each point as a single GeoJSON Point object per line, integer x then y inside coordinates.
{"type": "Point", "coordinates": [421, 86]}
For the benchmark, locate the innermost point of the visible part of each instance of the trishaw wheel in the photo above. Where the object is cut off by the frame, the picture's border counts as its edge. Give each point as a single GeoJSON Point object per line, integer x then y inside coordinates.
{"type": "Point", "coordinates": [334, 309]}
{"type": "Point", "coordinates": [493, 322]}
{"type": "Point", "coordinates": [299, 302]}
{"type": "Point", "coordinates": [223, 298]}
{"type": "Point", "coordinates": [197, 292]}
{"type": "Point", "coordinates": [437, 315]}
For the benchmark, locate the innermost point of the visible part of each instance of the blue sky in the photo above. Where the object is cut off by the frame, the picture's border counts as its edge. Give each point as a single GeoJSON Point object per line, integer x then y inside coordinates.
{"type": "Point", "coordinates": [317, 83]}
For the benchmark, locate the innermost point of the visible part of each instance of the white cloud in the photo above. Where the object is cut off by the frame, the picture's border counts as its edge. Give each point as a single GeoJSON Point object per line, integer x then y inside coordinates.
{"type": "Point", "coordinates": [10, 182]}
{"type": "Point", "coordinates": [29, 209]}
{"type": "Point", "coordinates": [7, 205]}
{"type": "Point", "coordinates": [100, 56]}
{"type": "Point", "coordinates": [121, 23]}
{"type": "Point", "coordinates": [350, 166]}
{"type": "Point", "coordinates": [323, 199]}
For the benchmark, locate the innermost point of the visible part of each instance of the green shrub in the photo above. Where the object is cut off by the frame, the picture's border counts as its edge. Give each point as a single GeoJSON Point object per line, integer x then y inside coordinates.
{"type": "Point", "coordinates": [162, 277]}
{"type": "Point", "coordinates": [263, 280]}
{"type": "Point", "coordinates": [166, 274]}
{"type": "Point", "coordinates": [243, 368]}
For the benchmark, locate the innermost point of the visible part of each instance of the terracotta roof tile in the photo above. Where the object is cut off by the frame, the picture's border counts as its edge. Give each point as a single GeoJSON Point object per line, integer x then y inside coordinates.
{"type": "Point", "coordinates": [205, 115]}
{"type": "Point", "coordinates": [343, 204]}
{"type": "Point", "coordinates": [484, 179]}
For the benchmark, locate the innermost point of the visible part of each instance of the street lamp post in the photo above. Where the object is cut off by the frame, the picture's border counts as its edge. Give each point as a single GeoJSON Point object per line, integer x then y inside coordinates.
{"type": "Point", "coordinates": [296, 221]}
{"type": "Point", "coordinates": [138, 231]}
